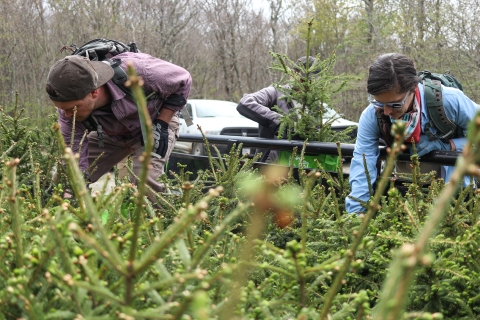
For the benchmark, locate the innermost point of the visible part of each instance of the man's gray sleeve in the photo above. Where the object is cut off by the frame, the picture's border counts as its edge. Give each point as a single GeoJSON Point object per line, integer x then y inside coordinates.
{"type": "Point", "coordinates": [258, 106]}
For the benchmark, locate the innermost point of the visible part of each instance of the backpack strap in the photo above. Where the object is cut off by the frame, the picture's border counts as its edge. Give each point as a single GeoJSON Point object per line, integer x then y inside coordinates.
{"type": "Point", "coordinates": [120, 76]}
{"type": "Point", "coordinates": [92, 124]}
{"type": "Point", "coordinates": [446, 128]}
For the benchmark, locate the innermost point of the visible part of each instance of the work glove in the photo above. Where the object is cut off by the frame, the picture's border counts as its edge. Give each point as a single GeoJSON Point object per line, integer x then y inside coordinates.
{"type": "Point", "coordinates": [160, 135]}
{"type": "Point", "coordinates": [426, 145]}
{"type": "Point", "coordinates": [274, 127]}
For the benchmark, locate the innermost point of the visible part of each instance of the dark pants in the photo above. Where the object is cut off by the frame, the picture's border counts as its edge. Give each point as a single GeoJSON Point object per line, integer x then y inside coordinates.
{"type": "Point", "coordinates": [117, 153]}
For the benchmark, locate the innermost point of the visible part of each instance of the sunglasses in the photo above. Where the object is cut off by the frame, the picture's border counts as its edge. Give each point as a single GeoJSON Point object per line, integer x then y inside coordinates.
{"type": "Point", "coordinates": [393, 105]}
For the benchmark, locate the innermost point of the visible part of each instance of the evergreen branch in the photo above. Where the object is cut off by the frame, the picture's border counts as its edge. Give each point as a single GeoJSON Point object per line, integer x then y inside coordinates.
{"type": "Point", "coordinates": [1, 134]}
{"type": "Point", "coordinates": [409, 214]}
{"type": "Point", "coordinates": [93, 166]}
{"type": "Point", "coordinates": [86, 203]}
{"type": "Point", "coordinates": [106, 255]}
{"type": "Point", "coordinates": [36, 186]}
{"type": "Point", "coordinates": [402, 272]}
{"type": "Point", "coordinates": [263, 200]}
{"type": "Point", "coordinates": [16, 217]}
{"type": "Point", "coordinates": [99, 290]}
{"type": "Point", "coordinates": [144, 289]}
{"type": "Point", "coordinates": [432, 241]}
{"type": "Point", "coordinates": [63, 251]}
{"type": "Point", "coordinates": [12, 146]}
{"type": "Point", "coordinates": [373, 207]}
{"type": "Point", "coordinates": [72, 134]}
{"type": "Point", "coordinates": [367, 173]}
{"type": "Point", "coordinates": [185, 218]}
{"type": "Point", "coordinates": [326, 265]}
{"type": "Point", "coordinates": [136, 83]}
{"type": "Point", "coordinates": [201, 253]}
{"type": "Point", "coordinates": [182, 308]}
{"type": "Point", "coordinates": [156, 194]}
{"type": "Point", "coordinates": [41, 265]}
{"type": "Point", "coordinates": [300, 273]}
{"type": "Point", "coordinates": [306, 197]}
{"type": "Point", "coordinates": [269, 267]}
{"type": "Point", "coordinates": [80, 146]}
{"type": "Point", "coordinates": [209, 154]}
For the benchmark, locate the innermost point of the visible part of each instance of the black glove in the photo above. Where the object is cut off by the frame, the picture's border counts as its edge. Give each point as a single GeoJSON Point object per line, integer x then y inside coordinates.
{"type": "Point", "coordinates": [274, 127]}
{"type": "Point", "coordinates": [160, 135]}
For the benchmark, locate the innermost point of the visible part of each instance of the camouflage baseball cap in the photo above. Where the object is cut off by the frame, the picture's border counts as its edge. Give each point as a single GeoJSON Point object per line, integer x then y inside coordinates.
{"type": "Point", "coordinates": [73, 77]}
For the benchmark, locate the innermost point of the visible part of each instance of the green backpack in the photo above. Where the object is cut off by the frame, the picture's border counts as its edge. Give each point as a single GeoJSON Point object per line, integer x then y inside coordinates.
{"type": "Point", "coordinates": [446, 128]}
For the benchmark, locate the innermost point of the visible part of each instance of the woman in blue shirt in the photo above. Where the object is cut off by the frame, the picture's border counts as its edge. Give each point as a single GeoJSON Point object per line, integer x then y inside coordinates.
{"type": "Point", "coordinates": [395, 93]}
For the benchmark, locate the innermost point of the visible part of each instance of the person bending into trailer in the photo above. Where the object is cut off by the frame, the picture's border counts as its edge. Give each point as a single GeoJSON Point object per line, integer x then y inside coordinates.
{"type": "Point", "coordinates": [258, 106]}
{"type": "Point", "coordinates": [395, 93]}
{"type": "Point", "coordinates": [104, 108]}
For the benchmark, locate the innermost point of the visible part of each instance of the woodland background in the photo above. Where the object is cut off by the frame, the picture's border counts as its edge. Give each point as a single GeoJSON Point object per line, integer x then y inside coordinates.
{"type": "Point", "coordinates": [225, 44]}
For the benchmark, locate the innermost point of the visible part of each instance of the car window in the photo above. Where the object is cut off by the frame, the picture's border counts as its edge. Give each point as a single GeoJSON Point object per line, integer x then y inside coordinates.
{"type": "Point", "coordinates": [189, 109]}
{"type": "Point", "coordinates": [210, 109]}
{"type": "Point", "coordinates": [330, 113]}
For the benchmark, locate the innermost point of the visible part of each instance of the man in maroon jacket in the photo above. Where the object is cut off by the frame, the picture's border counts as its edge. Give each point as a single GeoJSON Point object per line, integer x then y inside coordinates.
{"type": "Point", "coordinates": [104, 108]}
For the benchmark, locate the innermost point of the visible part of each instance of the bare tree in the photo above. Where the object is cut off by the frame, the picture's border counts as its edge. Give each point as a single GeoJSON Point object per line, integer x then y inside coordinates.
{"type": "Point", "coordinates": [161, 26]}
{"type": "Point", "coordinates": [369, 14]}
{"type": "Point", "coordinates": [225, 17]}
{"type": "Point", "coordinates": [225, 44]}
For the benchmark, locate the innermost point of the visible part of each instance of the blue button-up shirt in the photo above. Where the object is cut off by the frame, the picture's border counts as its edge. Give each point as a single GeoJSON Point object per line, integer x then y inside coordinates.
{"type": "Point", "coordinates": [458, 107]}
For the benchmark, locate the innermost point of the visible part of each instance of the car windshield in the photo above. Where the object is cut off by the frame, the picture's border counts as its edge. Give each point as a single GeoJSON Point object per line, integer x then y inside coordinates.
{"type": "Point", "coordinates": [210, 109]}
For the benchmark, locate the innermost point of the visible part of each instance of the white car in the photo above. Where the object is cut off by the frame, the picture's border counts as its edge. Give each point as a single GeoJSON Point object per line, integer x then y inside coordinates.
{"type": "Point", "coordinates": [221, 117]}
{"type": "Point", "coordinates": [339, 123]}
{"type": "Point", "coordinates": [214, 117]}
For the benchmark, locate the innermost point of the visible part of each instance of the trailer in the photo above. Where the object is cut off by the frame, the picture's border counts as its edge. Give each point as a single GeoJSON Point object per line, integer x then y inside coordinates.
{"type": "Point", "coordinates": [224, 143]}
